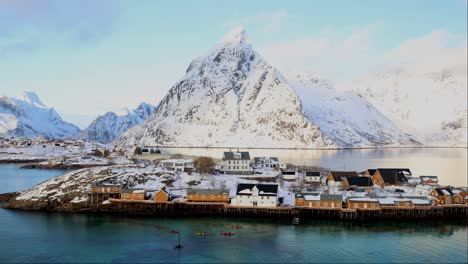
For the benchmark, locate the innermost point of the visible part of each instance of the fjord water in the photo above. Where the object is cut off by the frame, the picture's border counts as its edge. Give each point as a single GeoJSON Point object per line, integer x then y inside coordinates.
{"type": "Point", "coordinates": [56, 237]}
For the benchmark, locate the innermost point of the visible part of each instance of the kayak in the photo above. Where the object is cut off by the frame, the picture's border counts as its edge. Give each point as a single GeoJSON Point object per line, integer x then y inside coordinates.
{"type": "Point", "coordinates": [227, 234]}
{"type": "Point", "coordinates": [234, 226]}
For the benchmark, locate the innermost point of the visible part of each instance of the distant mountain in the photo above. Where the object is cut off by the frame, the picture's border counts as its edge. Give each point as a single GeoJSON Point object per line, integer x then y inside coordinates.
{"type": "Point", "coordinates": [27, 116]}
{"type": "Point", "coordinates": [230, 97]}
{"type": "Point", "coordinates": [430, 105]}
{"type": "Point", "coordinates": [108, 127]}
{"type": "Point", "coordinates": [345, 117]}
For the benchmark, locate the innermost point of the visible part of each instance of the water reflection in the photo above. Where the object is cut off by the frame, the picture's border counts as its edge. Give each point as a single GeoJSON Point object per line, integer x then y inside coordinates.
{"type": "Point", "coordinates": [449, 164]}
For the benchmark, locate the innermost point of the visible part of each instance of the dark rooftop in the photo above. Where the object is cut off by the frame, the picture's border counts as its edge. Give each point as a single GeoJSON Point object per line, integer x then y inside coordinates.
{"type": "Point", "coordinates": [312, 173]}
{"type": "Point", "coordinates": [394, 176]}
{"type": "Point", "coordinates": [229, 155]}
{"type": "Point", "coordinates": [337, 175]}
{"type": "Point", "coordinates": [359, 181]}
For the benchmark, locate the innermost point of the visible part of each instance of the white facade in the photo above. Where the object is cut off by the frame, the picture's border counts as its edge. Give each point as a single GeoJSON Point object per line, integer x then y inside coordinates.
{"type": "Point", "coordinates": [176, 164]}
{"type": "Point", "coordinates": [254, 198]}
{"type": "Point", "coordinates": [236, 163]}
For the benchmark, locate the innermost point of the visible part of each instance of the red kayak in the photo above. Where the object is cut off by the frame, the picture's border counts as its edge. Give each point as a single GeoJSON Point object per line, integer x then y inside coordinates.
{"type": "Point", "coordinates": [227, 234]}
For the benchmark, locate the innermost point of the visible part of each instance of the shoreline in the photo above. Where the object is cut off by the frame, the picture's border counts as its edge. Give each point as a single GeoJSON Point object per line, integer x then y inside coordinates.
{"type": "Point", "coordinates": [60, 166]}
{"type": "Point", "coordinates": [305, 148]}
{"type": "Point", "coordinates": [190, 209]}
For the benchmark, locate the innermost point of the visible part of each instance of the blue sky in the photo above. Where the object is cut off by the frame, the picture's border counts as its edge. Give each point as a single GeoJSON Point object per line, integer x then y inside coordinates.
{"type": "Point", "coordinates": [88, 57]}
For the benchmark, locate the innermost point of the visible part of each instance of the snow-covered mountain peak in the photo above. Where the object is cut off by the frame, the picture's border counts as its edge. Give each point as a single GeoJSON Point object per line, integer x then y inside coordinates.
{"type": "Point", "coordinates": [27, 116]}
{"type": "Point", "coordinates": [30, 98]}
{"type": "Point", "coordinates": [236, 37]}
{"type": "Point", "coordinates": [106, 128]}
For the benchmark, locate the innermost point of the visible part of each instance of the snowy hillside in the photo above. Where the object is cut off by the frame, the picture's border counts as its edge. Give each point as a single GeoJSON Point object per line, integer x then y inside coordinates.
{"type": "Point", "coordinates": [108, 127]}
{"type": "Point", "coordinates": [346, 118]}
{"type": "Point", "coordinates": [230, 97]}
{"type": "Point", "coordinates": [27, 116]}
{"type": "Point", "coordinates": [431, 105]}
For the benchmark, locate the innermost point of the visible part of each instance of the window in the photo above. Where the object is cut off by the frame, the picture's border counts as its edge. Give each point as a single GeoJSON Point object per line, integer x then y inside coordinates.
{"type": "Point", "coordinates": [325, 204]}
{"type": "Point", "coordinates": [203, 196]}
{"type": "Point", "coordinates": [317, 203]}
{"type": "Point", "coordinates": [224, 196]}
{"type": "Point", "coordinates": [372, 205]}
{"type": "Point", "coordinates": [229, 162]}
{"type": "Point", "coordinates": [212, 196]}
{"type": "Point", "coordinates": [262, 197]}
{"type": "Point", "coordinates": [229, 167]}
{"type": "Point", "coordinates": [356, 205]}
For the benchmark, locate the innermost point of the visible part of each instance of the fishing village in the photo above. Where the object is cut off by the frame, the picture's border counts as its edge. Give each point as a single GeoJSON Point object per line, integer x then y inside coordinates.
{"type": "Point", "coordinates": [263, 187]}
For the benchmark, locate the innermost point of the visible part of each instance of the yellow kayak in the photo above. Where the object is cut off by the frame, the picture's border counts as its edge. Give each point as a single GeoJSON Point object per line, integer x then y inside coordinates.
{"type": "Point", "coordinates": [234, 226]}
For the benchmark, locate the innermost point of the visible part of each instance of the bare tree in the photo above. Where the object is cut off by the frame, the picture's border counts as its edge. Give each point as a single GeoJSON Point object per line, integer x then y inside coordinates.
{"type": "Point", "coordinates": [204, 165]}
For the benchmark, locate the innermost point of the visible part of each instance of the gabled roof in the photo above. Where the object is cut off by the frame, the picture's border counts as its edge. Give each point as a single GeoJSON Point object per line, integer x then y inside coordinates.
{"type": "Point", "coordinates": [229, 155]}
{"type": "Point", "coordinates": [337, 175]}
{"type": "Point", "coordinates": [312, 173]}
{"type": "Point", "coordinates": [394, 176]}
{"type": "Point", "coordinates": [263, 189]}
{"type": "Point", "coordinates": [443, 191]}
{"type": "Point", "coordinates": [207, 191]}
{"type": "Point", "coordinates": [371, 171]}
{"type": "Point", "coordinates": [359, 181]}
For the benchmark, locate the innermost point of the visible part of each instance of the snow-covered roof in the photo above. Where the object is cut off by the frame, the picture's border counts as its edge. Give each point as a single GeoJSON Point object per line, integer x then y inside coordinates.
{"type": "Point", "coordinates": [176, 161]}
{"type": "Point", "coordinates": [362, 199]}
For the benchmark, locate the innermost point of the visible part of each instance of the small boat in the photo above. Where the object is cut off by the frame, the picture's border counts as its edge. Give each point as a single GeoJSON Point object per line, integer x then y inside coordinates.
{"type": "Point", "coordinates": [296, 221]}
{"type": "Point", "coordinates": [200, 233]}
{"type": "Point", "coordinates": [234, 226]}
{"type": "Point", "coordinates": [227, 234]}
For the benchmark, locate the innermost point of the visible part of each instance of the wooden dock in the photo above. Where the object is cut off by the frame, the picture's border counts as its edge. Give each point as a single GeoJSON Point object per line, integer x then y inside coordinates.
{"type": "Point", "coordinates": [169, 208]}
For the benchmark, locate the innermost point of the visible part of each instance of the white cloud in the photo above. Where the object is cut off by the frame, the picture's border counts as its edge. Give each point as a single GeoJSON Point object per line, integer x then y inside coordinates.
{"type": "Point", "coordinates": [346, 57]}
{"type": "Point", "coordinates": [327, 53]}
{"type": "Point", "coordinates": [270, 22]}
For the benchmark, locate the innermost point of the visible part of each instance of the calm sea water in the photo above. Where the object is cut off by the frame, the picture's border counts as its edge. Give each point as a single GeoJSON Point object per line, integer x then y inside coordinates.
{"type": "Point", "coordinates": [56, 237]}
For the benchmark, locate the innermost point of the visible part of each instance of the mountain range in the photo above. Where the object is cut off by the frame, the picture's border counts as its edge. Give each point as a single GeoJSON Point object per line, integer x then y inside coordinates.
{"type": "Point", "coordinates": [108, 127]}
{"type": "Point", "coordinates": [27, 116]}
{"type": "Point", "coordinates": [232, 97]}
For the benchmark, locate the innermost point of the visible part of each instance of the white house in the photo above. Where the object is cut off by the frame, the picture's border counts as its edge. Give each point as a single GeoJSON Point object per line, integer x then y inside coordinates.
{"type": "Point", "coordinates": [180, 165]}
{"type": "Point", "coordinates": [289, 175]}
{"type": "Point", "coordinates": [236, 163]}
{"type": "Point", "coordinates": [261, 195]}
{"type": "Point", "coordinates": [265, 163]}
{"type": "Point", "coordinates": [311, 176]}
{"type": "Point", "coordinates": [423, 189]}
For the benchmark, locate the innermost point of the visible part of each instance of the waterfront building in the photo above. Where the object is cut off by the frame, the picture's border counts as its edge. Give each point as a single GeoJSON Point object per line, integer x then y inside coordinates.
{"type": "Point", "coordinates": [208, 195]}
{"type": "Point", "coordinates": [362, 203]}
{"type": "Point", "coordinates": [161, 196]}
{"type": "Point", "coordinates": [133, 194]}
{"type": "Point", "coordinates": [445, 195]}
{"type": "Point", "coordinates": [390, 177]}
{"type": "Point", "coordinates": [236, 163]}
{"type": "Point", "coordinates": [260, 195]}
